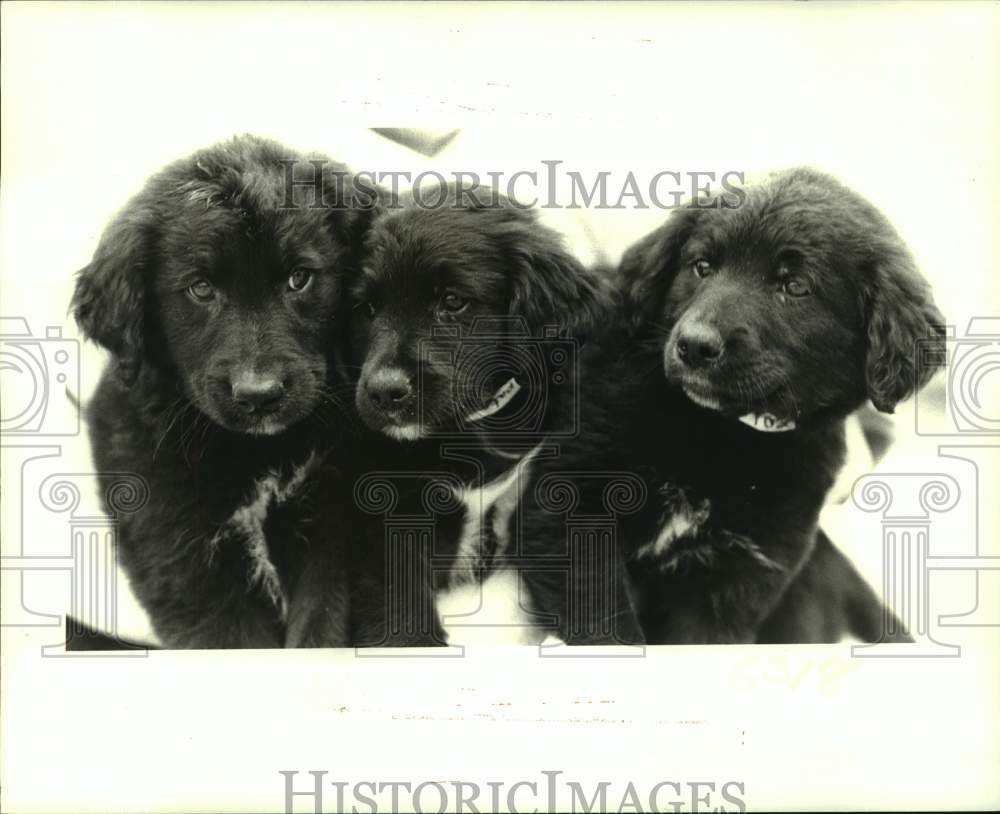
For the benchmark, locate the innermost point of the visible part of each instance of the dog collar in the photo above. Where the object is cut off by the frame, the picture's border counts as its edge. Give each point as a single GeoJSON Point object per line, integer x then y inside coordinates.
{"type": "Point", "coordinates": [500, 400]}
{"type": "Point", "coordinates": [767, 422]}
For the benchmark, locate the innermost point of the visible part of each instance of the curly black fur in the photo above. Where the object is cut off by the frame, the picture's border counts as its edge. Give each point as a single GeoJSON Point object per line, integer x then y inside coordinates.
{"type": "Point", "coordinates": [216, 290]}
{"type": "Point", "coordinates": [798, 306]}
{"type": "Point", "coordinates": [498, 283]}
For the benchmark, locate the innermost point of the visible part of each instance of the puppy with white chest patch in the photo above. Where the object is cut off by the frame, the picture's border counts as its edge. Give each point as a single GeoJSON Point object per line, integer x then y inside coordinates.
{"type": "Point", "coordinates": [216, 290]}
{"type": "Point", "coordinates": [752, 333]}
{"type": "Point", "coordinates": [466, 321]}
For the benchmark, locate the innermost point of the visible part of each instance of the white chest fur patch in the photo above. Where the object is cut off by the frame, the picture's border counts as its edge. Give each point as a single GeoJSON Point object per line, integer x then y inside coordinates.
{"type": "Point", "coordinates": [487, 612]}
{"type": "Point", "coordinates": [680, 518]}
{"type": "Point", "coordinates": [247, 523]}
{"type": "Point", "coordinates": [488, 508]}
{"type": "Point", "coordinates": [488, 609]}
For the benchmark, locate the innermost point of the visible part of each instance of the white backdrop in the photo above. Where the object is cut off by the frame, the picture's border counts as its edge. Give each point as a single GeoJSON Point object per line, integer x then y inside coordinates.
{"type": "Point", "coordinates": [898, 100]}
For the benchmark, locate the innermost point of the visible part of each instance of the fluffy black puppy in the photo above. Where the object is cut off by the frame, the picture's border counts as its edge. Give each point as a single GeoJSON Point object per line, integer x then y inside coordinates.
{"type": "Point", "coordinates": [755, 331]}
{"type": "Point", "coordinates": [215, 289]}
{"type": "Point", "coordinates": [466, 277]}
{"type": "Point", "coordinates": [463, 339]}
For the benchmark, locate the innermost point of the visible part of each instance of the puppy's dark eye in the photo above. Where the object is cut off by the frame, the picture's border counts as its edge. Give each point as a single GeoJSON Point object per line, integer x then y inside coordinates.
{"type": "Point", "coordinates": [701, 268]}
{"type": "Point", "coordinates": [453, 303]}
{"type": "Point", "coordinates": [299, 280]}
{"type": "Point", "coordinates": [794, 287]}
{"type": "Point", "coordinates": [365, 308]}
{"type": "Point", "coordinates": [201, 291]}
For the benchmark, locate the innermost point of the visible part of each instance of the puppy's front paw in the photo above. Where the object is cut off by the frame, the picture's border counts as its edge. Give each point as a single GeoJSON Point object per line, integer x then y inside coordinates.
{"type": "Point", "coordinates": [324, 625]}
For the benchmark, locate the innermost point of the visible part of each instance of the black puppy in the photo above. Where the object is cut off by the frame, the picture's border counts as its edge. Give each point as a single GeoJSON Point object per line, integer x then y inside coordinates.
{"type": "Point", "coordinates": [754, 331]}
{"type": "Point", "coordinates": [828, 601]}
{"type": "Point", "coordinates": [464, 335]}
{"type": "Point", "coordinates": [216, 289]}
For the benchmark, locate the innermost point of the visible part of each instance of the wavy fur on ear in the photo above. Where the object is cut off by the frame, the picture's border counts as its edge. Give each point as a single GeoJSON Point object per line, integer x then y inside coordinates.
{"type": "Point", "coordinates": [648, 267]}
{"type": "Point", "coordinates": [109, 299]}
{"type": "Point", "coordinates": [900, 313]}
{"type": "Point", "coordinates": [548, 285]}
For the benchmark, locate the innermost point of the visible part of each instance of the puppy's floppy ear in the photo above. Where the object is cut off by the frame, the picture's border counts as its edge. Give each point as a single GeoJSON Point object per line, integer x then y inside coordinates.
{"type": "Point", "coordinates": [353, 203]}
{"type": "Point", "coordinates": [549, 285]}
{"type": "Point", "coordinates": [900, 313]}
{"type": "Point", "coordinates": [648, 267]}
{"type": "Point", "coordinates": [109, 299]}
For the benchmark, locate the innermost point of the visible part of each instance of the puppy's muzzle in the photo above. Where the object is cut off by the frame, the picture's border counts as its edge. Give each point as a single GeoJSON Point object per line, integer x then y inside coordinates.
{"type": "Point", "coordinates": [699, 344]}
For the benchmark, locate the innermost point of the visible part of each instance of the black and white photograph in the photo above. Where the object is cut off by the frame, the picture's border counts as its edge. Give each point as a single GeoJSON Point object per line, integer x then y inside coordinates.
{"type": "Point", "coordinates": [499, 406]}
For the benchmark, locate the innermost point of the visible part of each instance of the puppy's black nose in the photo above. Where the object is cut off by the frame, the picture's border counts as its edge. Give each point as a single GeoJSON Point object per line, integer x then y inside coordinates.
{"type": "Point", "coordinates": [254, 393]}
{"type": "Point", "coordinates": [699, 345]}
{"type": "Point", "coordinates": [390, 390]}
